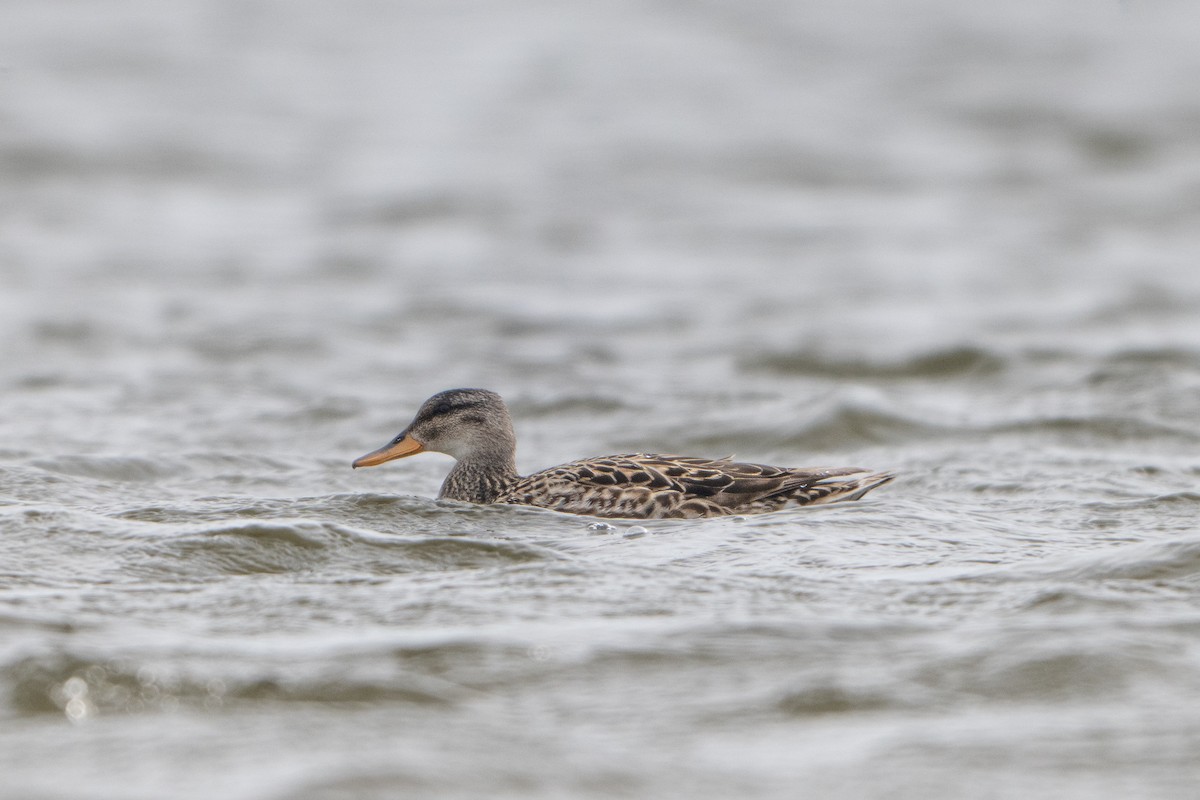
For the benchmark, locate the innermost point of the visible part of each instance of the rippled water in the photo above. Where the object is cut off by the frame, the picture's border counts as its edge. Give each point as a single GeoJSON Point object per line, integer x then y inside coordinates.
{"type": "Point", "coordinates": [242, 241]}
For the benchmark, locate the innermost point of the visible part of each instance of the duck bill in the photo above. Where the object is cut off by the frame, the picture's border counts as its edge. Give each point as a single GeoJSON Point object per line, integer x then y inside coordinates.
{"type": "Point", "coordinates": [401, 447]}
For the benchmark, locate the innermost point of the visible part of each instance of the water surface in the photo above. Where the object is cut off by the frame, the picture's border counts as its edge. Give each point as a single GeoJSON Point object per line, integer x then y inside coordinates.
{"type": "Point", "coordinates": [242, 242]}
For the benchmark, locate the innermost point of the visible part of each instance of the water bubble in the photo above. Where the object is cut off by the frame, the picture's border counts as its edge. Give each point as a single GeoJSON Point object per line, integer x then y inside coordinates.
{"type": "Point", "coordinates": [540, 653]}
{"type": "Point", "coordinates": [601, 527]}
{"type": "Point", "coordinates": [77, 709]}
{"type": "Point", "coordinates": [634, 532]}
{"type": "Point", "coordinates": [75, 687]}
{"type": "Point", "coordinates": [147, 676]}
{"type": "Point", "coordinates": [73, 695]}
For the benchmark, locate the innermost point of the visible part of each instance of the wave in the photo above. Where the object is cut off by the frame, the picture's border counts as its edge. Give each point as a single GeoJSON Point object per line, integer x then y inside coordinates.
{"type": "Point", "coordinates": [965, 360]}
{"type": "Point", "coordinates": [1038, 666]}
{"type": "Point", "coordinates": [1102, 427]}
{"type": "Point", "coordinates": [1170, 560]}
{"type": "Point", "coordinates": [366, 535]}
{"type": "Point", "coordinates": [140, 469]}
{"type": "Point", "coordinates": [807, 667]}
{"type": "Point", "coordinates": [365, 511]}
{"type": "Point", "coordinates": [849, 424]}
{"type": "Point", "coordinates": [1176, 358]}
{"type": "Point", "coordinates": [112, 468]}
{"type": "Point", "coordinates": [80, 684]}
{"type": "Point", "coordinates": [1176, 500]}
{"type": "Point", "coordinates": [1165, 561]}
{"type": "Point", "coordinates": [299, 545]}
{"type": "Point", "coordinates": [1067, 660]}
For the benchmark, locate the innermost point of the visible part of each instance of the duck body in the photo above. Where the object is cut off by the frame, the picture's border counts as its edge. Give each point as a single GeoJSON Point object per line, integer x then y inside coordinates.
{"type": "Point", "coordinates": [474, 426]}
{"type": "Point", "coordinates": [652, 486]}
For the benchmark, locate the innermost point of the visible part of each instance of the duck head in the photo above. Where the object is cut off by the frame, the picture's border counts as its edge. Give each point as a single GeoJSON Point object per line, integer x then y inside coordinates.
{"type": "Point", "coordinates": [463, 423]}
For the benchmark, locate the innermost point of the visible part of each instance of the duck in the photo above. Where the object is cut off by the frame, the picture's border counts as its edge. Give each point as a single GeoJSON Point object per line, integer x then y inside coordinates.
{"type": "Point", "coordinates": [475, 428]}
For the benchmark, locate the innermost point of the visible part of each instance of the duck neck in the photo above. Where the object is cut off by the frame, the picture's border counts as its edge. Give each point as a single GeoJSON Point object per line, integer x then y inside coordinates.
{"type": "Point", "coordinates": [480, 478]}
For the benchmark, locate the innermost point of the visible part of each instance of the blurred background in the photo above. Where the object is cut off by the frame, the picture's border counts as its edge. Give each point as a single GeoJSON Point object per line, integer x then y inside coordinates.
{"type": "Point", "coordinates": [298, 203]}
{"type": "Point", "coordinates": [240, 242]}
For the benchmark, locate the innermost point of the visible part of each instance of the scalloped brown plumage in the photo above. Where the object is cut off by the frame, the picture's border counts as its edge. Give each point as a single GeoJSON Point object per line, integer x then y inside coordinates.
{"type": "Point", "coordinates": [474, 426]}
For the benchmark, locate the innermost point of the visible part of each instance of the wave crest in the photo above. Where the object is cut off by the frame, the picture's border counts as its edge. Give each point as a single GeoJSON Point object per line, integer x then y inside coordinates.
{"type": "Point", "coordinates": [279, 546]}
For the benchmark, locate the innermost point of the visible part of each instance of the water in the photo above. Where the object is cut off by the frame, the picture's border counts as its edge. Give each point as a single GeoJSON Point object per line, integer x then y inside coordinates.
{"type": "Point", "coordinates": [242, 241]}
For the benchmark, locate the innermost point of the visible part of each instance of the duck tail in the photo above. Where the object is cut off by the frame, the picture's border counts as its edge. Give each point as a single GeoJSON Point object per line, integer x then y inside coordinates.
{"type": "Point", "coordinates": [842, 489]}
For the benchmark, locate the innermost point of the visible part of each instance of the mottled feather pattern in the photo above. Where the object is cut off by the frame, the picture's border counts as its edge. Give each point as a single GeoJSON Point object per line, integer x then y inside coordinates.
{"type": "Point", "coordinates": [652, 486]}
{"type": "Point", "coordinates": [474, 426]}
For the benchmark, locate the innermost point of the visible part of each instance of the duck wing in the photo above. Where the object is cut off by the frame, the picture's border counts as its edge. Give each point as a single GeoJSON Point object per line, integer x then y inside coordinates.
{"type": "Point", "coordinates": [653, 486]}
{"type": "Point", "coordinates": [738, 487]}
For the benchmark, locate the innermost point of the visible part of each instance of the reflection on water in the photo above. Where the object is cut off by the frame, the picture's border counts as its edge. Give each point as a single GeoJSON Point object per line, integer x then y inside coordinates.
{"type": "Point", "coordinates": [241, 243]}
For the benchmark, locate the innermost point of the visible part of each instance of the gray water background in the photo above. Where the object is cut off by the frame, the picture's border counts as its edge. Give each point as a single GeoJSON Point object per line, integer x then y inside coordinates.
{"type": "Point", "coordinates": [241, 241]}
